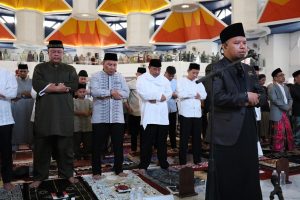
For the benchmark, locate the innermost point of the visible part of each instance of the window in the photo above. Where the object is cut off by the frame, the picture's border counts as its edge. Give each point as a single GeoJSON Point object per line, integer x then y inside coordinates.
{"type": "Point", "coordinates": [9, 19]}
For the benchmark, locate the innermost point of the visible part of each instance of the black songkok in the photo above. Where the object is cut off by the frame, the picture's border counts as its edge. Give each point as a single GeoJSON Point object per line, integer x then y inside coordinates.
{"type": "Point", "coordinates": [276, 71]}
{"type": "Point", "coordinates": [111, 56]}
{"type": "Point", "coordinates": [171, 70]}
{"type": "Point", "coordinates": [22, 66]}
{"type": "Point", "coordinates": [141, 70]}
{"type": "Point", "coordinates": [83, 73]}
{"type": "Point", "coordinates": [231, 31]}
{"type": "Point", "coordinates": [296, 73]}
{"type": "Point", "coordinates": [155, 63]}
{"type": "Point", "coordinates": [80, 86]}
{"type": "Point", "coordinates": [194, 66]}
{"type": "Point", "coordinates": [55, 44]}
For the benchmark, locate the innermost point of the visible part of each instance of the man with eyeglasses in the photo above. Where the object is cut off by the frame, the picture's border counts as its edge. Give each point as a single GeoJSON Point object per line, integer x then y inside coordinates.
{"type": "Point", "coordinates": [54, 83]}
{"type": "Point", "coordinates": [22, 109]}
{"type": "Point", "coordinates": [280, 104]}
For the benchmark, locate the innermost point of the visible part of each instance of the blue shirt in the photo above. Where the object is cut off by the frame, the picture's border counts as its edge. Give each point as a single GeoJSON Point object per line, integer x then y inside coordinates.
{"type": "Point", "coordinates": [172, 102]}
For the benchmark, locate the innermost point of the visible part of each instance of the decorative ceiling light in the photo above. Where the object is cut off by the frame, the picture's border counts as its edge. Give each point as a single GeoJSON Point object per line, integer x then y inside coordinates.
{"type": "Point", "coordinates": [184, 5]}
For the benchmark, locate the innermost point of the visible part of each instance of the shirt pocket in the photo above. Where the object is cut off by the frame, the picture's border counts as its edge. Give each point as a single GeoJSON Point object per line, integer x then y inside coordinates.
{"type": "Point", "coordinates": [117, 85]}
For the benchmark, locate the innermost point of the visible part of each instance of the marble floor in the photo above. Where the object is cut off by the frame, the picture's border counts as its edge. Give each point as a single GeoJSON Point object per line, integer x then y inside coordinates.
{"type": "Point", "coordinates": [290, 191]}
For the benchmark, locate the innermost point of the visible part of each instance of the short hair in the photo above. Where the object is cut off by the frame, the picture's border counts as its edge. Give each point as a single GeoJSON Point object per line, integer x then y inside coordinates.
{"type": "Point", "coordinates": [261, 76]}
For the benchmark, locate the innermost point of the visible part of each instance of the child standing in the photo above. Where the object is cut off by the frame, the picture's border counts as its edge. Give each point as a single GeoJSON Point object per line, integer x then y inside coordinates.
{"type": "Point", "coordinates": [82, 124]}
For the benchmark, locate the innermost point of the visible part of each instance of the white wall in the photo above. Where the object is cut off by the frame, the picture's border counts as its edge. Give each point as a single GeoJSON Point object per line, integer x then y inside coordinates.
{"type": "Point", "coordinates": [275, 50]}
{"type": "Point", "coordinates": [128, 70]}
{"type": "Point", "coordinates": [294, 51]}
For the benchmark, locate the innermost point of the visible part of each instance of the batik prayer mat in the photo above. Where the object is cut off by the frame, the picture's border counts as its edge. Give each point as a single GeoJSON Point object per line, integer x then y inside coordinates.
{"type": "Point", "coordinates": [15, 194]}
{"type": "Point", "coordinates": [49, 189]}
{"type": "Point", "coordinates": [170, 152]}
{"type": "Point", "coordinates": [292, 156]}
{"type": "Point", "coordinates": [84, 167]}
{"type": "Point", "coordinates": [203, 166]}
{"type": "Point", "coordinates": [23, 155]}
{"type": "Point", "coordinates": [271, 164]}
{"type": "Point", "coordinates": [108, 187]}
{"type": "Point", "coordinates": [168, 178]}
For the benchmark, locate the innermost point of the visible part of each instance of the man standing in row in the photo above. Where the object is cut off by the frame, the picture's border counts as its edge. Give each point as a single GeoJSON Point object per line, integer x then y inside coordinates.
{"type": "Point", "coordinates": [154, 90]}
{"type": "Point", "coordinates": [8, 91]}
{"type": "Point", "coordinates": [295, 93]}
{"type": "Point", "coordinates": [280, 104]}
{"type": "Point", "coordinates": [22, 108]}
{"type": "Point", "coordinates": [190, 95]}
{"type": "Point", "coordinates": [54, 83]}
{"type": "Point", "coordinates": [133, 107]}
{"type": "Point", "coordinates": [108, 89]}
{"type": "Point", "coordinates": [170, 74]}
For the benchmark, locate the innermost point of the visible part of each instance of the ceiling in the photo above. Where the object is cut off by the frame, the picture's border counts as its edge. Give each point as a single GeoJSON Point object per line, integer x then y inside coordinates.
{"type": "Point", "coordinates": [213, 5]}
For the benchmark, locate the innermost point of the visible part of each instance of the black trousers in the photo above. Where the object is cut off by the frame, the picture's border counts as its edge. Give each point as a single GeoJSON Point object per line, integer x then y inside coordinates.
{"type": "Point", "coordinates": [204, 124]}
{"type": "Point", "coordinates": [101, 132]}
{"type": "Point", "coordinates": [236, 167]}
{"type": "Point", "coordinates": [172, 129]}
{"type": "Point", "coordinates": [6, 152]}
{"type": "Point", "coordinates": [190, 126]}
{"type": "Point", "coordinates": [86, 139]}
{"type": "Point", "coordinates": [44, 147]}
{"type": "Point", "coordinates": [151, 132]}
{"type": "Point", "coordinates": [135, 129]}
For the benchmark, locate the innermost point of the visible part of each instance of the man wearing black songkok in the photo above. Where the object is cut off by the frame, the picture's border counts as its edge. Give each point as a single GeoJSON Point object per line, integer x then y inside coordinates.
{"type": "Point", "coordinates": [132, 105]}
{"type": "Point", "coordinates": [295, 93]}
{"type": "Point", "coordinates": [54, 83]}
{"type": "Point", "coordinates": [280, 104]}
{"type": "Point", "coordinates": [234, 136]}
{"type": "Point", "coordinates": [154, 90]}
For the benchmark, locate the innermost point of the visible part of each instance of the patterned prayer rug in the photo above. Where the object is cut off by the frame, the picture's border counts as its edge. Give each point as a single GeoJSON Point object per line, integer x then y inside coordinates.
{"type": "Point", "coordinates": [15, 194]}
{"type": "Point", "coordinates": [203, 166]}
{"type": "Point", "coordinates": [59, 187]}
{"type": "Point", "coordinates": [168, 178]}
{"type": "Point", "coordinates": [108, 187]}
{"type": "Point", "coordinates": [271, 164]}
{"type": "Point", "coordinates": [84, 166]}
{"type": "Point", "coordinates": [292, 156]}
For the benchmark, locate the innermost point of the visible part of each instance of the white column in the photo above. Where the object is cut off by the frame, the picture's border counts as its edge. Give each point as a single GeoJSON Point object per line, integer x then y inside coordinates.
{"type": "Point", "coordinates": [85, 9]}
{"type": "Point", "coordinates": [184, 5]}
{"type": "Point", "coordinates": [275, 50]}
{"type": "Point", "coordinates": [140, 27]}
{"type": "Point", "coordinates": [29, 29]}
{"type": "Point", "coordinates": [294, 51]}
{"type": "Point", "coordinates": [246, 11]}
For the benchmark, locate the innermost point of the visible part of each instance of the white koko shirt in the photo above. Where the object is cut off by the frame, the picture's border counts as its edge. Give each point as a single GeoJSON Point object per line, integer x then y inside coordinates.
{"type": "Point", "coordinates": [187, 90]}
{"type": "Point", "coordinates": [8, 88]}
{"type": "Point", "coordinates": [152, 88]}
